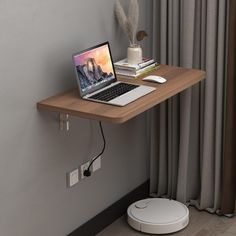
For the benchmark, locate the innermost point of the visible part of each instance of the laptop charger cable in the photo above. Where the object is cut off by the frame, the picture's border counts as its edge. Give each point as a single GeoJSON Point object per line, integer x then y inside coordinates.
{"type": "Point", "coordinates": [87, 172]}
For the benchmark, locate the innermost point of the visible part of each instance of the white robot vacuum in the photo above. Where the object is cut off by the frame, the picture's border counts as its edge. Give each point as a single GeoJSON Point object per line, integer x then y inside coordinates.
{"type": "Point", "coordinates": [158, 216]}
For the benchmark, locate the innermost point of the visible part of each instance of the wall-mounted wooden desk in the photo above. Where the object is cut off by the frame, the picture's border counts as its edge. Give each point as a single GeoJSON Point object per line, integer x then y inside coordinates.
{"type": "Point", "coordinates": [178, 79]}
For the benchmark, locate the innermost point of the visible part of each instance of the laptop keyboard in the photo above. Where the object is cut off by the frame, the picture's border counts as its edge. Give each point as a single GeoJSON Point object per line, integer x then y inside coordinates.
{"type": "Point", "coordinates": [113, 92]}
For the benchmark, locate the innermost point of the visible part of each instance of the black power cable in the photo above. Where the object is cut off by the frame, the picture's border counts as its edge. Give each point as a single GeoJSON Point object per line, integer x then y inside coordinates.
{"type": "Point", "coordinates": [87, 172]}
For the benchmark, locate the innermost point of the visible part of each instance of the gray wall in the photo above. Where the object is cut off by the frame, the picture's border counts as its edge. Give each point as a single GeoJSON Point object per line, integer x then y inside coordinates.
{"type": "Point", "coordinates": [37, 39]}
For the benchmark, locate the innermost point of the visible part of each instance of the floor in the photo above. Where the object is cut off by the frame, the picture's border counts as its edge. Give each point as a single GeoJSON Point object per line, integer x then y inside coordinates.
{"type": "Point", "coordinates": [201, 224]}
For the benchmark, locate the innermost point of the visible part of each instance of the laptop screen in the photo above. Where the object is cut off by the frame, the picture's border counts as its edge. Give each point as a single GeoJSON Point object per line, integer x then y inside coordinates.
{"type": "Point", "coordinates": [94, 68]}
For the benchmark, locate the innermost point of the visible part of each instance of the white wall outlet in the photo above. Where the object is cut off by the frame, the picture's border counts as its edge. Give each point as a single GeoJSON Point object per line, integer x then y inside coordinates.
{"type": "Point", "coordinates": [73, 177]}
{"type": "Point", "coordinates": [97, 164]}
{"type": "Point", "coordinates": [83, 167]}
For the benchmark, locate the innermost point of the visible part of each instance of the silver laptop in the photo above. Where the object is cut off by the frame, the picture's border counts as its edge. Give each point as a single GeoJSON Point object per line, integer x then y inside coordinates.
{"type": "Point", "coordinates": [97, 81]}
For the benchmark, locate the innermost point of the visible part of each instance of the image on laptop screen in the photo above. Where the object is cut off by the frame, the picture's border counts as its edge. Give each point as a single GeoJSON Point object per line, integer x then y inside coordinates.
{"type": "Point", "coordinates": [94, 67]}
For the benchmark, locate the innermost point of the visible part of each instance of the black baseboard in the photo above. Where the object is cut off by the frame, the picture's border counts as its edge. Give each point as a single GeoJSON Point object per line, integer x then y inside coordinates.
{"type": "Point", "coordinates": [112, 213]}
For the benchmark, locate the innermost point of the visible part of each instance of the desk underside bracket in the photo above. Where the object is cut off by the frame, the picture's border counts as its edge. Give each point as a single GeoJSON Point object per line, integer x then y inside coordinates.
{"type": "Point", "coordinates": [64, 122]}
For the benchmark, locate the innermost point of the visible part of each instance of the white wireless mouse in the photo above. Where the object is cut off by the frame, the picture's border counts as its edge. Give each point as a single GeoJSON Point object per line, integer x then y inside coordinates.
{"type": "Point", "coordinates": [155, 78]}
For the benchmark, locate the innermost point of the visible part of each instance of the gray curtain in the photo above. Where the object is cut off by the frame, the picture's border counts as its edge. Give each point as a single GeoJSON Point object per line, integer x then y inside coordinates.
{"type": "Point", "coordinates": [187, 130]}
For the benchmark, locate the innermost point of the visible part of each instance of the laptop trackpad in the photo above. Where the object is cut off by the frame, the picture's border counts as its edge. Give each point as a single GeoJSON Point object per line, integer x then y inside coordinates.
{"type": "Point", "coordinates": [132, 95]}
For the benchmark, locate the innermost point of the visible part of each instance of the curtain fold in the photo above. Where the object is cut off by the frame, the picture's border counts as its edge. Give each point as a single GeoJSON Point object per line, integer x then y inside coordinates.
{"type": "Point", "coordinates": [229, 162]}
{"type": "Point", "coordinates": [186, 146]}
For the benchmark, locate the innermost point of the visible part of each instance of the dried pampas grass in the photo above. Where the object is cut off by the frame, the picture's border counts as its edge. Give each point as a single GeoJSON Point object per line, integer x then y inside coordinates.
{"type": "Point", "coordinates": [133, 17]}
{"type": "Point", "coordinates": [129, 24]}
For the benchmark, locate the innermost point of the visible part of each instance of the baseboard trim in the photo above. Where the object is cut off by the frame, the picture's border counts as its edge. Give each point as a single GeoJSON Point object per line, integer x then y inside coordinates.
{"type": "Point", "coordinates": [112, 213]}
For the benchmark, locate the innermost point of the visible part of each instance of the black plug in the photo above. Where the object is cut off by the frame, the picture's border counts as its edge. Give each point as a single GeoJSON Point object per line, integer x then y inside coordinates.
{"type": "Point", "coordinates": [87, 173]}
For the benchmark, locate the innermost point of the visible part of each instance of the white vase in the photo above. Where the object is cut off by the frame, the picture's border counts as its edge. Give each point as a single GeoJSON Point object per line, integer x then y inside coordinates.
{"type": "Point", "coordinates": [134, 54]}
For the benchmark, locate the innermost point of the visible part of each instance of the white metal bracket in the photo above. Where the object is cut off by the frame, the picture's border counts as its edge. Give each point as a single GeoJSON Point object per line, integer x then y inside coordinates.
{"type": "Point", "coordinates": [64, 122]}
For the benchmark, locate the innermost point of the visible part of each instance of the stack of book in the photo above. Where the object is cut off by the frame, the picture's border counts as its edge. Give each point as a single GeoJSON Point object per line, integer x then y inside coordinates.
{"type": "Point", "coordinates": [127, 70]}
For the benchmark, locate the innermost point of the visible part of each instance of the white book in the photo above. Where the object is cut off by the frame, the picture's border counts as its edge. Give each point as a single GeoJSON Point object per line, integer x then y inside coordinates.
{"type": "Point", "coordinates": [123, 64]}
{"type": "Point", "coordinates": [137, 72]}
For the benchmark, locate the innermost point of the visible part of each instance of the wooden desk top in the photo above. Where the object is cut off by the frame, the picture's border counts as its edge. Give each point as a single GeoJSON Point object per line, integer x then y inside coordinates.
{"type": "Point", "coordinates": [178, 79]}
